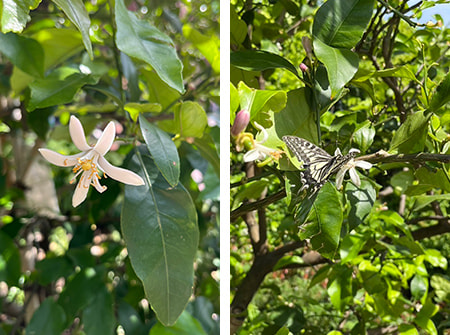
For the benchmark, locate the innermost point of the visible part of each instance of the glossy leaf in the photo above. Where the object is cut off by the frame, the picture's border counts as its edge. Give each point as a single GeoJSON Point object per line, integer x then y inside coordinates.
{"type": "Point", "coordinates": [341, 65]}
{"type": "Point", "coordinates": [50, 92]}
{"type": "Point", "coordinates": [185, 325]}
{"type": "Point", "coordinates": [424, 317]}
{"type": "Point", "coordinates": [80, 291]}
{"type": "Point", "coordinates": [159, 91]}
{"type": "Point", "coordinates": [139, 39]}
{"type": "Point", "coordinates": [238, 28]}
{"type": "Point", "coordinates": [361, 202]}
{"type": "Point", "coordinates": [96, 323]}
{"type": "Point", "coordinates": [350, 247]}
{"type": "Point", "coordinates": [324, 223]}
{"type": "Point", "coordinates": [364, 135]}
{"type": "Point", "coordinates": [159, 224]}
{"type": "Point", "coordinates": [208, 150]}
{"type": "Point", "coordinates": [340, 287]}
{"type": "Point", "coordinates": [441, 96]}
{"type": "Point", "coordinates": [297, 118]}
{"type": "Point", "coordinates": [9, 260]}
{"type": "Point", "coordinates": [259, 102]}
{"type": "Point", "coordinates": [410, 137]}
{"type": "Point", "coordinates": [163, 151]}
{"type": "Point", "coordinates": [419, 287]}
{"type": "Point", "coordinates": [77, 13]}
{"type": "Point", "coordinates": [135, 109]}
{"type": "Point", "coordinates": [58, 45]}
{"type": "Point", "coordinates": [258, 60]}
{"type": "Point", "coordinates": [209, 46]}
{"type": "Point", "coordinates": [14, 14]}
{"type": "Point", "coordinates": [25, 53]}
{"type": "Point", "coordinates": [341, 23]}
{"type": "Point", "coordinates": [49, 319]}
{"type": "Point", "coordinates": [190, 120]}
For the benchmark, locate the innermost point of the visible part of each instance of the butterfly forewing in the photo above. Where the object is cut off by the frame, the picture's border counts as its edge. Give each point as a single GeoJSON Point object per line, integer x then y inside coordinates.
{"type": "Point", "coordinates": [318, 164]}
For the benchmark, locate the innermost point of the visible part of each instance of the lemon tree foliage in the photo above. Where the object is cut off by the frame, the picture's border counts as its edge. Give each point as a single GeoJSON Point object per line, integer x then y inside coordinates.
{"type": "Point", "coordinates": [136, 259]}
{"type": "Point", "coordinates": [370, 257]}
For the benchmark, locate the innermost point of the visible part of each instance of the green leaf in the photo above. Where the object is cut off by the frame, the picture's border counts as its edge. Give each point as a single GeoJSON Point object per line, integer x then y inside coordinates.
{"type": "Point", "coordinates": [190, 120]}
{"type": "Point", "coordinates": [135, 108]}
{"type": "Point", "coordinates": [297, 118]}
{"type": "Point", "coordinates": [98, 316]}
{"type": "Point", "coordinates": [14, 14]}
{"type": "Point", "coordinates": [38, 121]}
{"type": "Point", "coordinates": [238, 28]}
{"type": "Point", "coordinates": [260, 102]}
{"type": "Point", "coordinates": [434, 179]}
{"type": "Point", "coordinates": [49, 319]}
{"type": "Point", "coordinates": [419, 287]}
{"type": "Point", "coordinates": [185, 325]}
{"type": "Point", "coordinates": [25, 53]}
{"type": "Point", "coordinates": [258, 60]}
{"type": "Point", "coordinates": [163, 151]}
{"type": "Point", "coordinates": [80, 291]}
{"type": "Point", "coordinates": [441, 96]}
{"type": "Point", "coordinates": [131, 73]}
{"type": "Point", "coordinates": [364, 135]}
{"type": "Point", "coordinates": [159, 91]}
{"type": "Point", "coordinates": [51, 269]}
{"type": "Point", "coordinates": [77, 13]}
{"type": "Point", "coordinates": [50, 92]}
{"type": "Point", "coordinates": [58, 45]}
{"type": "Point", "coordinates": [350, 247]}
{"type": "Point", "coordinates": [208, 150]}
{"type": "Point", "coordinates": [9, 260]}
{"type": "Point", "coordinates": [424, 317]}
{"type": "Point", "coordinates": [326, 218]}
{"type": "Point", "coordinates": [139, 39]}
{"type": "Point", "coordinates": [340, 287]}
{"type": "Point", "coordinates": [208, 45]}
{"type": "Point", "coordinates": [341, 23]}
{"type": "Point", "coordinates": [361, 202]}
{"type": "Point", "coordinates": [159, 224]}
{"type": "Point", "coordinates": [410, 136]}
{"type": "Point", "coordinates": [341, 65]}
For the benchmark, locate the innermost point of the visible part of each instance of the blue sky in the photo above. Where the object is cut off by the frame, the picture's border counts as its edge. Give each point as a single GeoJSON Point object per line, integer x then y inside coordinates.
{"type": "Point", "coordinates": [442, 9]}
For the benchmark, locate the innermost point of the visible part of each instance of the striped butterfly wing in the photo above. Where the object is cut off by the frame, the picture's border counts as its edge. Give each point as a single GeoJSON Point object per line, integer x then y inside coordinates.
{"type": "Point", "coordinates": [318, 164]}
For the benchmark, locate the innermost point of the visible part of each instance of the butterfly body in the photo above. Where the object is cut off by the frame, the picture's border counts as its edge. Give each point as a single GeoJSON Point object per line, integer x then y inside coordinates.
{"type": "Point", "coordinates": [318, 164]}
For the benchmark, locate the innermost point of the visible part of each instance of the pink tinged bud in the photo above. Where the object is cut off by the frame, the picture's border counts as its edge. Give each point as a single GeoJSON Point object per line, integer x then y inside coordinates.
{"type": "Point", "coordinates": [303, 67]}
{"type": "Point", "coordinates": [240, 122]}
{"type": "Point", "coordinates": [307, 45]}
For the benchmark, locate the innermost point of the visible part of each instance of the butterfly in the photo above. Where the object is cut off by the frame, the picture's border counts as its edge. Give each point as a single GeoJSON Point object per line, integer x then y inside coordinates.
{"type": "Point", "coordinates": [318, 164]}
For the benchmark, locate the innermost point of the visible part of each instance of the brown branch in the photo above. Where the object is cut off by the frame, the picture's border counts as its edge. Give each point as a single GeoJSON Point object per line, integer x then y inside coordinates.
{"type": "Point", "coordinates": [421, 157]}
{"type": "Point", "coordinates": [245, 208]}
{"type": "Point", "coordinates": [442, 227]}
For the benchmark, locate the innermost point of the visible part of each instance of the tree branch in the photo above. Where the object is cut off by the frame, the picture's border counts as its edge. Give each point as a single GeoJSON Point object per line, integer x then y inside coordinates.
{"type": "Point", "coordinates": [243, 209]}
{"type": "Point", "coordinates": [421, 157]}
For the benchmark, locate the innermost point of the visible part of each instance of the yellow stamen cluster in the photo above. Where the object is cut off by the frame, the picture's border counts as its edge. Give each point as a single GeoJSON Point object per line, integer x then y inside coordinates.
{"type": "Point", "coordinates": [85, 165]}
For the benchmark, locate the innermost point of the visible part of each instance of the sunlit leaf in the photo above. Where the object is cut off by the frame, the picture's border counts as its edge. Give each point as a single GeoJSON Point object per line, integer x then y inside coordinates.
{"type": "Point", "coordinates": [163, 151]}
{"type": "Point", "coordinates": [139, 39]}
{"type": "Point", "coordinates": [159, 224]}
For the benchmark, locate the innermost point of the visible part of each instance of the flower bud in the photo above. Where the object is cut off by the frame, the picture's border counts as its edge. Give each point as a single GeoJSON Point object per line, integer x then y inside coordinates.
{"type": "Point", "coordinates": [303, 67]}
{"type": "Point", "coordinates": [240, 122]}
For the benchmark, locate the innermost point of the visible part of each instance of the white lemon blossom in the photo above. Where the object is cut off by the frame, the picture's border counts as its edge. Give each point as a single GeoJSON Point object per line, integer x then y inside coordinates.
{"type": "Point", "coordinates": [259, 151]}
{"type": "Point", "coordinates": [350, 166]}
{"type": "Point", "coordinates": [90, 161]}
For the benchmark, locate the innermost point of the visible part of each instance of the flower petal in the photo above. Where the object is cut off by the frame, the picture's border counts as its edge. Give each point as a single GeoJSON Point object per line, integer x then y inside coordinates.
{"type": "Point", "coordinates": [354, 177]}
{"type": "Point", "coordinates": [340, 177]}
{"type": "Point", "coordinates": [98, 187]}
{"type": "Point", "coordinates": [60, 160]}
{"type": "Point", "coordinates": [106, 140]}
{"type": "Point", "coordinates": [363, 164]}
{"type": "Point", "coordinates": [253, 155]}
{"type": "Point", "coordinates": [77, 134]}
{"type": "Point", "coordinates": [81, 190]}
{"type": "Point", "coordinates": [119, 174]}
